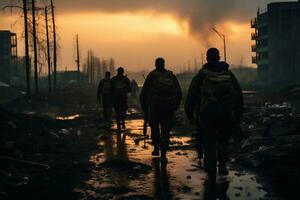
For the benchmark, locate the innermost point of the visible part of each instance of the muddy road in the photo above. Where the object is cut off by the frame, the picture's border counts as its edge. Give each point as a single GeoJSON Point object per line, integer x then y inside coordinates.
{"type": "Point", "coordinates": [91, 160]}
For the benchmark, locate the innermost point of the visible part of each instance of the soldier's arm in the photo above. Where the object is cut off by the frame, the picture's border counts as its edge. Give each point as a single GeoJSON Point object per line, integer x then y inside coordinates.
{"type": "Point", "coordinates": [193, 99]}
{"type": "Point", "coordinates": [99, 90]}
{"type": "Point", "coordinates": [178, 91]}
{"type": "Point", "coordinates": [239, 104]}
{"type": "Point", "coordinates": [129, 89]}
{"type": "Point", "coordinates": [145, 92]}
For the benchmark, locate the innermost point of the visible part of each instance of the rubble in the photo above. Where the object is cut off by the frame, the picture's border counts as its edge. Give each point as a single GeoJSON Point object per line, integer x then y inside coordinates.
{"type": "Point", "coordinates": [270, 139]}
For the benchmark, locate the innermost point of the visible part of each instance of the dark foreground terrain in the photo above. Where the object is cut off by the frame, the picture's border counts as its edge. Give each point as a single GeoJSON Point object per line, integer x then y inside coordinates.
{"type": "Point", "coordinates": [58, 147]}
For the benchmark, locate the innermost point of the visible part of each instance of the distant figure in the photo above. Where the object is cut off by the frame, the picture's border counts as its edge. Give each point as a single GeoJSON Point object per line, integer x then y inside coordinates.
{"type": "Point", "coordinates": [120, 87]}
{"type": "Point", "coordinates": [160, 98]}
{"type": "Point", "coordinates": [104, 95]}
{"type": "Point", "coordinates": [134, 88]}
{"type": "Point", "coordinates": [215, 104]}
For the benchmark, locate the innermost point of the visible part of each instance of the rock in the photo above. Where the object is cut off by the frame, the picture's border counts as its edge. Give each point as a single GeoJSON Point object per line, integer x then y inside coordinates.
{"type": "Point", "coordinates": [255, 163]}
{"type": "Point", "coordinates": [53, 135]}
{"type": "Point", "coordinates": [102, 137]}
{"type": "Point", "coordinates": [246, 143]}
{"type": "Point", "coordinates": [12, 125]}
{"type": "Point", "coordinates": [262, 148]}
{"type": "Point", "coordinates": [237, 194]}
{"type": "Point", "coordinates": [64, 131]}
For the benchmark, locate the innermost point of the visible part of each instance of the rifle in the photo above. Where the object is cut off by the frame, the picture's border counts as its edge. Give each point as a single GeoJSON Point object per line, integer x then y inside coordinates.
{"type": "Point", "coordinates": [145, 117]}
{"type": "Point", "coordinates": [145, 123]}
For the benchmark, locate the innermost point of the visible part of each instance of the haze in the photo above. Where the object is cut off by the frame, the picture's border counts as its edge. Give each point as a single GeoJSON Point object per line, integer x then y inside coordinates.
{"type": "Point", "coordinates": [134, 33]}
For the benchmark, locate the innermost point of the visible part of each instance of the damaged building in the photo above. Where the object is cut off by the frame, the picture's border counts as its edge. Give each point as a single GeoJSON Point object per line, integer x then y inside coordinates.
{"type": "Point", "coordinates": [277, 43]}
{"type": "Point", "coordinates": [8, 54]}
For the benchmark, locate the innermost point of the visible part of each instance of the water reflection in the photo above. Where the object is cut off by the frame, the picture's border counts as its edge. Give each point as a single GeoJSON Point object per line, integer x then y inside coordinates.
{"type": "Point", "coordinates": [70, 117]}
{"type": "Point", "coordinates": [115, 149]}
{"type": "Point", "coordinates": [121, 168]}
{"type": "Point", "coordinates": [161, 180]}
{"type": "Point", "coordinates": [215, 190]}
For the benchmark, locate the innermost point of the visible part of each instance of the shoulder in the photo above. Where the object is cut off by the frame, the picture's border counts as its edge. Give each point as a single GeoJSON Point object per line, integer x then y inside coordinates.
{"type": "Point", "coordinates": [152, 74]}
{"type": "Point", "coordinates": [170, 72]}
{"type": "Point", "coordinates": [126, 78]}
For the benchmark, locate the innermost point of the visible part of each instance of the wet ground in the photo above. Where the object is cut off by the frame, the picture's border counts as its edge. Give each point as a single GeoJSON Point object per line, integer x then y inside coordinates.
{"type": "Point", "coordinates": [88, 159]}
{"type": "Point", "coordinates": [123, 168]}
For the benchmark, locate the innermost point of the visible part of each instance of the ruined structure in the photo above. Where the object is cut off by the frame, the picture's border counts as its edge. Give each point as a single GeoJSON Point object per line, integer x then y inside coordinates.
{"type": "Point", "coordinates": [277, 43]}
{"type": "Point", "coordinates": [8, 54]}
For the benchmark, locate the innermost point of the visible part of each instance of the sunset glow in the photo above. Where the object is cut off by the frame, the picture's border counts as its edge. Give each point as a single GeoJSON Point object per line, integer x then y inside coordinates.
{"type": "Point", "coordinates": [136, 39]}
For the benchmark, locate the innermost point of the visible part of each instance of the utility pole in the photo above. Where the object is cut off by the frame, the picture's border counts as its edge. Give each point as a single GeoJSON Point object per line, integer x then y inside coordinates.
{"type": "Point", "coordinates": [222, 36]}
{"type": "Point", "coordinates": [48, 50]}
{"type": "Point", "coordinates": [35, 48]}
{"type": "Point", "coordinates": [78, 59]}
{"type": "Point", "coordinates": [195, 65]}
{"type": "Point", "coordinates": [54, 46]}
{"type": "Point", "coordinates": [88, 67]}
{"type": "Point", "coordinates": [92, 68]}
{"type": "Point", "coordinates": [26, 48]}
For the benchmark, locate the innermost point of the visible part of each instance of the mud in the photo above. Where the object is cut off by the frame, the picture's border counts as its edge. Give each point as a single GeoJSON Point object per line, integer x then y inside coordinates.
{"type": "Point", "coordinates": [89, 159]}
{"type": "Point", "coordinates": [124, 169]}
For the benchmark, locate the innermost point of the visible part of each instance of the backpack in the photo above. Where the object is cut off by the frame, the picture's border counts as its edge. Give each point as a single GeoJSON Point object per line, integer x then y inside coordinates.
{"type": "Point", "coordinates": [163, 84]}
{"type": "Point", "coordinates": [106, 86]}
{"type": "Point", "coordinates": [217, 93]}
{"type": "Point", "coordinates": [120, 86]}
{"type": "Point", "coordinates": [163, 91]}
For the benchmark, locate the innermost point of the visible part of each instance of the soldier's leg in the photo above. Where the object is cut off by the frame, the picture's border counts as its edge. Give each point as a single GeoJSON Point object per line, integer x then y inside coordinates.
{"type": "Point", "coordinates": [210, 151]}
{"type": "Point", "coordinates": [199, 141]}
{"type": "Point", "coordinates": [124, 111]}
{"type": "Point", "coordinates": [166, 127]}
{"type": "Point", "coordinates": [224, 133]}
{"type": "Point", "coordinates": [118, 120]}
{"type": "Point", "coordinates": [104, 106]}
{"type": "Point", "coordinates": [155, 137]}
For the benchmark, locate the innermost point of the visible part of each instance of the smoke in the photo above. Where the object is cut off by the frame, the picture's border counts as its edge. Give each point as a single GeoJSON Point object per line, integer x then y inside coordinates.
{"type": "Point", "coordinates": [198, 15]}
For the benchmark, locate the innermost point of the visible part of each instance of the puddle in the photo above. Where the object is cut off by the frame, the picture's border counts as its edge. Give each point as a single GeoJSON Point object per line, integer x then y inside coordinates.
{"type": "Point", "coordinates": [66, 118]}
{"type": "Point", "coordinates": [180, 179]}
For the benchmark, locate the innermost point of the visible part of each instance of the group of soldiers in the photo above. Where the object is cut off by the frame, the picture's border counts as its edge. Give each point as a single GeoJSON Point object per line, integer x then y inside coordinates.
{"type": "Point", "coordinates": [214, 104]}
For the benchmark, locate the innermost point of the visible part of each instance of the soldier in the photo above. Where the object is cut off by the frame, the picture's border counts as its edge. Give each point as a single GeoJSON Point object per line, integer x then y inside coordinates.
{"type": "Point", "coordinates": [215, 98]}
{"type": "Point", "coordinates": [104, 95]}
{"type": "Point", "coordinates": [160, 98]}
{"type": "Point", "coordinates": [120, 88]}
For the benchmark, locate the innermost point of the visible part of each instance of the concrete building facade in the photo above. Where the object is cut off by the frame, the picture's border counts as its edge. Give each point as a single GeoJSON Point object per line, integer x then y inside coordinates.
{"type": "Point", "coordinates": [8, 54]}
{"type": "Point", "coordinates": [277, 43]}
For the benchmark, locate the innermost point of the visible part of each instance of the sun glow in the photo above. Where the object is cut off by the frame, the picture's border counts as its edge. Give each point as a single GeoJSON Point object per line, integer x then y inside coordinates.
{"type": "Point", "coordinates": [116, 25]}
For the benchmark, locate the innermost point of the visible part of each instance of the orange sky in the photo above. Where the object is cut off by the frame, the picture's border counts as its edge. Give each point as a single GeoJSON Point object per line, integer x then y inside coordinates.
{"type": "Point", "coordinates": [136, 39]}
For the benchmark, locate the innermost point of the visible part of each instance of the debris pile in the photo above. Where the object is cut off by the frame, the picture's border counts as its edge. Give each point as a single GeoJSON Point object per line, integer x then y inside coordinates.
{"type": "Point", "coordinates": [270, 141]}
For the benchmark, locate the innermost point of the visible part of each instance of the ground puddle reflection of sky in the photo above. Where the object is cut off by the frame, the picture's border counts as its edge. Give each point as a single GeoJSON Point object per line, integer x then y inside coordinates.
{"type": "Point", "coordinates": [125, 169]}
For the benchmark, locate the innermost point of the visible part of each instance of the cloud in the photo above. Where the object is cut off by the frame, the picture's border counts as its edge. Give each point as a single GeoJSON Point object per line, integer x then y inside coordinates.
{"type": "Point", "coordinates": [198, 15]}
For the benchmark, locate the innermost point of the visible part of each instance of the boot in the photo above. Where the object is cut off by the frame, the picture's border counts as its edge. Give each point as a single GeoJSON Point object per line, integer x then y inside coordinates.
{"type": "Point", "coordinates": [163, 157]}
{"type": "Point", "coordinates": [223, 171]}
{"type": "Point", "coordinates": [155, 152]}
{"type": "Point", "coordinates": [118, 126]}
{"type": "Point", "coordinates": [211, 175]}
{"type": "Point", "coordinates": [123, 125]}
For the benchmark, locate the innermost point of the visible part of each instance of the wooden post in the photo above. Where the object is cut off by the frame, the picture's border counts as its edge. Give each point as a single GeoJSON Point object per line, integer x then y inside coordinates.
{"type": "Point", "coordinates": [54, 46]}
{"type": "Point", "coordinates": [35, 48]}
{"type": "Point", "coordinates": [78, 60]}
{"type": "Point", "coordinates": [48, 50]}
{"type": "Point", "coordinates": [27, 64]}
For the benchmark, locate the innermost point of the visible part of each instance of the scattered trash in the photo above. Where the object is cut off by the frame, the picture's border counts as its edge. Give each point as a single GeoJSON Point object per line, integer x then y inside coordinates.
{"type": "Point", "coordinates": [64, 131]}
